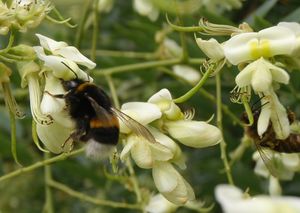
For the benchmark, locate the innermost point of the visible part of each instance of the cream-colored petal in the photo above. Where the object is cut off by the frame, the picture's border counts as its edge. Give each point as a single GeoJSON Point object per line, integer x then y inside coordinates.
{"type": "Point", "coordinates": [279, 75]}
{"type": "Point", "coordinates": [261, 78]}
{"type": "Point", "coordinates": [160, 152]}
{"type": "Point", "coordinates": [142, 112]}
{"type": "Point", "coordinates": [141, 154]}
{"type": "Point", "coordinates": [49, 103]}
{"type": "Point", "coordinates": [197, 134]}
{"type": "Point", "coordinates": [211, 48]}
{"type": "Point", "coordinates": [126, 149]}
{"type": "Point", "coordinates": [293, 26]}
{"type": "Point", "coordinates": [187, 73]}
{"type": "Point", "coordinates": [164, 176]}
{"type": "Point", "coordinates": [237, 49]}
{"type": "Point", "coordinates": [53, 136]}
{"type": "Point", "coordinates": [161, 95]}
{"type": "Point", "coordinates": [181, 193]}
{"type": "Point", "coordinates": [279, 118]}
{"type": "Point", "coordinates": [245, 76]}
{"type": "Point", "coordinates": [50, 44]}
{"type": "Point", "coordinates": [278, 41]}
{"type": "Point", "coordinates": [73, 54]}
{"type": "Point", "coordinates": [159, 204]}
{"type": "Point", "coordinates": [264, 117]}
{"type": "Point", "coordinates": [291, 161]}
{"type": "Point", "coordinates": [56, 64]}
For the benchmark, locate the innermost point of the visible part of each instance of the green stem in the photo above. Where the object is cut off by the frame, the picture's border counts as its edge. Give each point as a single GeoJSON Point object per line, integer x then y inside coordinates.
{"type": "Point", "coordinates": [80, 29]}
{"type": "Point", "coordinates": [123, 54]}
{"type": "Point", "coordinates": [134, 181]}
{"type": "Point", "coordinates": [184, 29]}
{"type": "Point", "coordinates": [113, 91]}
{"type": "Point", "coordinates": [196, 88]}
{"type": "Point", "coordinates": [10, 42]}
{"type": "Point", "coordinates": [90, 199]}
{"type": "Point", "coordinates": [95, 30]}
{"type": "Point", "coordinates": [205, 94]}
{"type": "Point", "coordinates": [224, 107]}
{"type": "Point", "coordinates": [48, 208]}
{"type": "Point", "coordinates": [39, 164]}
{"type": "Point", "coordinates": [138, 66]}
{"type": "Point", "coordinates": [13, 137]}
{"type": "Point", "coordinates": [220, 126]}
{"type": "Point", "coordinates": [133, 178]}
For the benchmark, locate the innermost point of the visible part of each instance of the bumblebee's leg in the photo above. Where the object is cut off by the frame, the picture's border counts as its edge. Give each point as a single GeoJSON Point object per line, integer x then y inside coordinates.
{"type": "Point", "coordinates": [56, 95]}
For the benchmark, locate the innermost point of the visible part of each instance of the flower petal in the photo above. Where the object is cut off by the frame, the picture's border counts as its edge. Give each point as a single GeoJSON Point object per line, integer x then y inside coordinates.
{"type": "Point", "coordinates": [50, 44]}
{"type": "Point", "coordinates": [164, 176]}
{"type": "Point", "coordinates": [141, 153]}
{"type": "Point", "coordinates": [264, 118]}
{"type": "Point", "coordinates": [197, 134]}
{"type": "Point", "coordinates": [261, 78]}
{"type": "Point", "coordinates": [187, 73]}
{"type": "Point", "coordinates": [237, 50]}
{"type": "Point", "coordinates": [73, 54]}
{"type": "Point", "coordinates": [245, 76]}
{"type": "Point", "coordinates": [211, 48]}
{"type": "Point", "coordinates": [278, 41]}
{"type": "Point", "coordinates": [53, 136]}
{"type": "Point", "coordinates": [142, 112]}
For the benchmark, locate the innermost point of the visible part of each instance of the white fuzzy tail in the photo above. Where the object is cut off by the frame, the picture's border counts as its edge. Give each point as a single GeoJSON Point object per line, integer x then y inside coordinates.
{"type": "Point", "coordinates": [98, 151]}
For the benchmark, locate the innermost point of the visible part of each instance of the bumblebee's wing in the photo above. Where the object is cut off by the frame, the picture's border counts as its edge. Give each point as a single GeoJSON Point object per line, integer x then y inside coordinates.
{"type": "Point", "coordinates": [268, 159]}
{"type": "Point", "coordinates": [135, 126]}
{"type": "Point", "coordinates": [107, 118]}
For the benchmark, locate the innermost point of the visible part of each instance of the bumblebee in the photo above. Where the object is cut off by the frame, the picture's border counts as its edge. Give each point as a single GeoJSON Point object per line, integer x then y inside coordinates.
{"type": "Point", "coordinates": [97, 121]}
{"type": "Point", "coordinates": [268, 140]}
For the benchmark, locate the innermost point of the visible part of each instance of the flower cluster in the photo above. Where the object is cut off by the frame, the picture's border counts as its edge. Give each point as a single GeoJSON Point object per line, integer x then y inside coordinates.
{"type": "Point", "coordinates": [21, 15]}
{"type": "Point", "coordinates": [259, 57]}
{"type": "Point", "coordinates": [166, 122]}
{"type": "Point", "coordinates": [60, 61]}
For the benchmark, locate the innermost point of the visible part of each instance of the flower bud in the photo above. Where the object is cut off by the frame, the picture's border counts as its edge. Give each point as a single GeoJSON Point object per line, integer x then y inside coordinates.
{"type": "Point", "coordinates": [171, 184]}
{"type": "Point", "coordinates": [197, 134]}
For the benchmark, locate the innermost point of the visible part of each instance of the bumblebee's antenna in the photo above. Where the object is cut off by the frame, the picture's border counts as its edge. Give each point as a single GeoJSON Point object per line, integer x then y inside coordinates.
{"type": "Point", "coordinates": [70, 69]}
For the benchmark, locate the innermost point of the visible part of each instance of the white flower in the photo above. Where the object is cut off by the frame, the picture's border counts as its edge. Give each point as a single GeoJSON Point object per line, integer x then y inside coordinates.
{"type": "Point", "coordinates": [145, 153]}
{"type": "Point", "coordinates": [29, 73]}
{"type": "Point", "coordinates": [59, 54]}
{"type": "Point", "coordinates": [277, 40]}
{"type": "Point", "coordinates": [146, 8]}
{"type": "Point", "coordinates": [260, 74]}
{"type": "Point", "coordinates": [197, 134]}
{"type": "Point", "coordinates": [142, 112]}
{"type": "Point", "coordinates": [233, 200]}
{"type": "Point", "coordinates": [171, 184]}
{"type": "Point", "coordinates": [159, 204]}
{"type": "Point", "coordinates": [187, 73]}
{"type": "Point", "coordinates": [22, 14]}
{"type": "Point", "coordinates": [54, 135]}
{"type": "Point", "coordinates": [211, 48]}
{"type": "Point", "coordinates": [273, 110]}
{"type": "Point", "coordinates": [164, 101]}
{"type": "Point", "coordinates": [285, 164]}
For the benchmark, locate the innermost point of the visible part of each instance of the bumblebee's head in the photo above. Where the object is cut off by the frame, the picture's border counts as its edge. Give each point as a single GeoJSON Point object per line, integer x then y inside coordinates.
{"type": "Point", "coordinates": [72, 84]}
